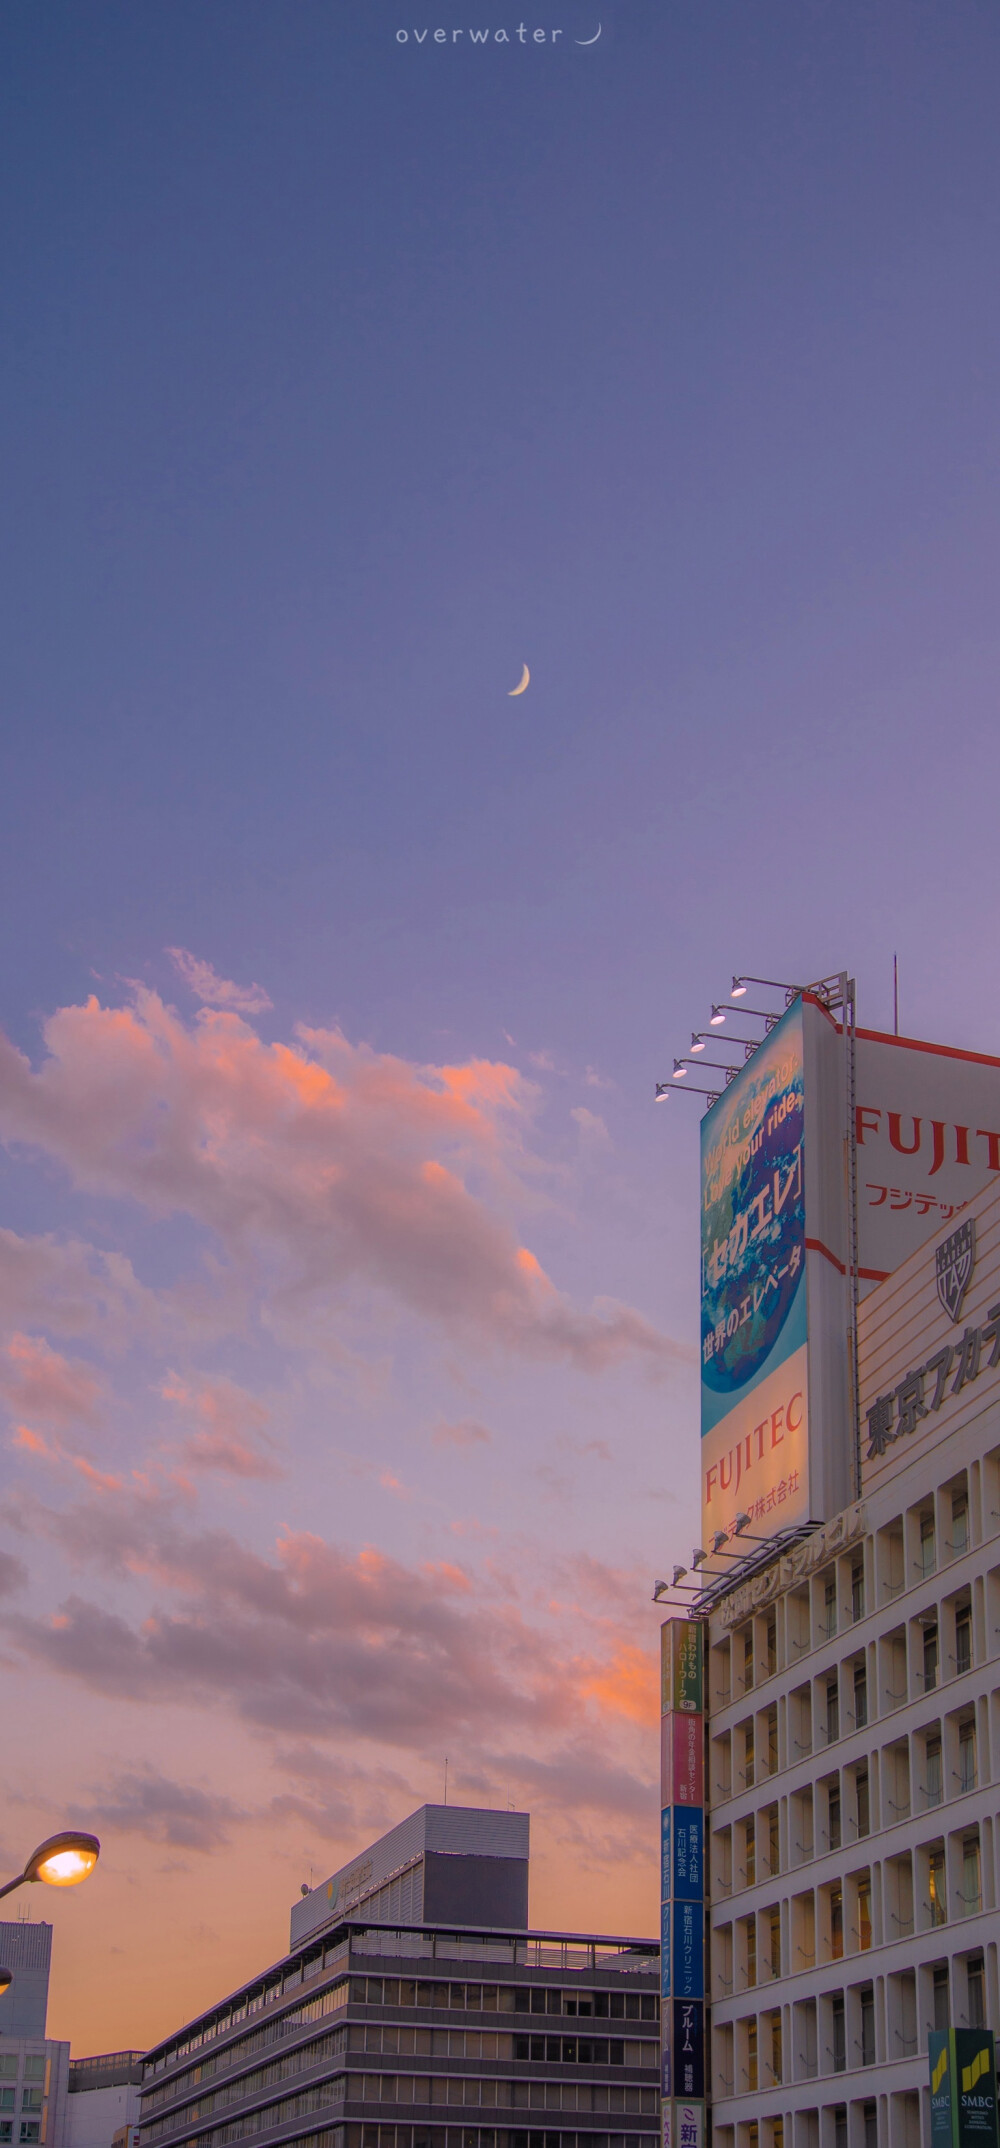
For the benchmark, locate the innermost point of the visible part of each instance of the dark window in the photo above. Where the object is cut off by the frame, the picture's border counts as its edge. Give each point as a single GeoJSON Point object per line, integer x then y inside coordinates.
{"type": "Point", "coordinates": [649, 2007]}
{"type": "Point", "coordinates": [963, 1639]}
{"type": "Point", "coordinates": [867, 2025]}
{"type": "Point", "coordinates": [967, 1756]}
{"type": "Point", "coordinates": [840, 2126]}
{"type": "Point", "coordinates": [933, 1750]}
{"type": "Point", "coordinates": [930, 1658]}
{"type": "Point", "coordinates": [832, 1710]}
{"type": "Point", "coordinates": [834, 1813]}
{"type": "Point", "coordinates": [773, 1859]}
{"type": "Point", "coordinates": [939, 1989]}
{"type": "Point", "coordinates": [537, 2005]}
{"type": "Point", "coordinates": [858, 1589]}
{"type": "Point", "coordinates": [748, 1659]}
{"type": "Point", "coordinates": [750, 1852]}
{"type": "Point", "coordinates": [836, 1922]}
{"type": "Point", "coordinates": [871, 2125]}
{"type": "Point", "coordinates": [771, 1643]}
{"type": "Point", "coordinates": [860, 1696]}
{"type": "Point", "coordinates": [864, 1809]}
{"type": "Point", "coordinates": [977, 1992]}
{"type": "Point", "coordinates": [839, 2033]}
{"type": "Point", "coordinates": [959, 1522]}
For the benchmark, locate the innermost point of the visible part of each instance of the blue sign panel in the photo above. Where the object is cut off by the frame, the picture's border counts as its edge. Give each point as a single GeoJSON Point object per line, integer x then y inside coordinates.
{"type": "Point", "coordinates": [689, 1950]}
{"type": "Point", "coordinates": [666, 1881]}
{"type": "Point", "coordinates": [688, 1854]}
{"type": "Point", "coordinates": [665, 1950]}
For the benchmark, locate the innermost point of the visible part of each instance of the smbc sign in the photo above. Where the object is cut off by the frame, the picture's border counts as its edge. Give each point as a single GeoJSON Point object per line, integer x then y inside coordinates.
{"type": "Point", "coordinates": [963, 2088]}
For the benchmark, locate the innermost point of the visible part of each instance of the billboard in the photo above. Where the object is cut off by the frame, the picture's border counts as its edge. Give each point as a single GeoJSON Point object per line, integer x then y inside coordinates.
{"type": "Point", "coordinates": [927, 1126]}
{"type": "Point", "coordinates": [963, 2088]}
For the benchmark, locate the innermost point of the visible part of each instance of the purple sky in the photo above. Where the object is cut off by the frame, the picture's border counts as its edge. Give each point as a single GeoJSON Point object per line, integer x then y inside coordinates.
{"type": "Point", "coordinates": [351, 1402]}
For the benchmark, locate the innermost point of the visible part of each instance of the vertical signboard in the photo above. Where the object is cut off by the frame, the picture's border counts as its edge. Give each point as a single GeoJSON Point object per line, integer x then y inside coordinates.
{"type": "Point", "coordinates": [753, 1287]}
{"type": "Point", "coordinates": [682, 1883]}
{"type": "Point", "coordinates": [963, 2088]}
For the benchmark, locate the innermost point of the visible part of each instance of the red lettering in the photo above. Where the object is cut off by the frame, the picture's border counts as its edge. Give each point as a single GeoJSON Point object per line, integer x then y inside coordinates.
{"type": "Point", "coordinates": [776, 1436]}
{"type": "Point", "coordinates": [961, 1144]}
{"type": "Point", "coordinates": [905, 1148]}
{"type": "Point", "coordinates": [866, 1120]}
{"type": "Point", "coordinates": [758, 1435]}
{"type": "Point", "coordinates": [993, 1140]}
{"type": "Point", "coordinates": [713, 1472]}
{"type": "Point", "coordinates": [937, 1129]}
{"type": "Point", "coordinates": [724, 1481]}
{"type": "Point", "coordinates": [788, 1413]}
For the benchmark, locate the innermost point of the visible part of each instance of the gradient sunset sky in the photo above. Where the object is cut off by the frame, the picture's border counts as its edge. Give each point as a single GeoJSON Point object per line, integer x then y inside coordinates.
{"type": "Point", "coordinates": [349, 1274]}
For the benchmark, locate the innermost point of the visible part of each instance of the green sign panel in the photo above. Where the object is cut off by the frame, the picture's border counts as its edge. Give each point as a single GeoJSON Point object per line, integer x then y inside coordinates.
{"type": "Point", "coordinates": [963, 2084]}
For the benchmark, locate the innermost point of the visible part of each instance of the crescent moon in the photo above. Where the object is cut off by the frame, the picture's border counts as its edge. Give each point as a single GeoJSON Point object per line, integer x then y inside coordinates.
{"type": "Point", "coordinates": [589, 40]}
{"type": "Point", "coordinates": [525, 676]}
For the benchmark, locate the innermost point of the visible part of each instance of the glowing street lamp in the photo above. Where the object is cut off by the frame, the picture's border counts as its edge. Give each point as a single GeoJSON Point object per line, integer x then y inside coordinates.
{"type": "Point", "coordinates": [6, 1980]}
{"type": "Point", "coordinates": [63, 1861]}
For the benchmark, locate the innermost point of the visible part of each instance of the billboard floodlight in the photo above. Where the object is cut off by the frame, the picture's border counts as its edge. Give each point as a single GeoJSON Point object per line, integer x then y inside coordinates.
{"type": "Point", "coordinates": [718, 1015]}
{"type": "Point", "coordinates": [679, 1573]}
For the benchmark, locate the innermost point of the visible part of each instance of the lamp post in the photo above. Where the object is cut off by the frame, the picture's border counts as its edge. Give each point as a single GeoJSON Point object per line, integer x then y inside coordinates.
{"type": "Point", "coordinates": [63, 1861]}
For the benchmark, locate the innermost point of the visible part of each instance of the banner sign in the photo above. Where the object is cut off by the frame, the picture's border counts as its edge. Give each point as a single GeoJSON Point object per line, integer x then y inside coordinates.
{"type": "Point", "coordinates": [688, 1864]}
{"type": "Point", "coordinates": [927, 1125]}
{"type": "Point", "coordinates": [688, 2055]}
{"type": "Point", "coordinates": [666, 1957]}
{"type": "Point", "coordinates": [682, 1759]}
{"type": "Point", "coordinates": [682, 1667]}
{"type": "Point", "coordinates": [689, 1950]}
{"type": "Point", "coordinates": [963, 2088]}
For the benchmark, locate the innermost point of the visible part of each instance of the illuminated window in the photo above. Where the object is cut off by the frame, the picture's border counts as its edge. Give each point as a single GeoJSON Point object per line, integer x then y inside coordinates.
{"type": "Point", "coordinates": [864, 1912]}
{"type": "Point", "coordinates": [750, 1852]}
{"type": "Point", "coordinates": [936, 1886]}
{"type": "Point", "coordinates": [751, 2055]}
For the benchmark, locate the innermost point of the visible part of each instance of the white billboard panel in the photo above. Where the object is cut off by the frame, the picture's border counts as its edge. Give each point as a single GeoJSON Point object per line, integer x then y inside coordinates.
{"type": "Point", "coordinates": [928, 1139]}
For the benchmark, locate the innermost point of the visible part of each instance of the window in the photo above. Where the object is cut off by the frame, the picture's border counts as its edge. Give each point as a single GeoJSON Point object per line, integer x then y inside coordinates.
{"type": "Point", "coordinates": [959, 1522]}
{"type": "Point", "coordinates": [8, 2065]}
{"type": "Point", "coordinates": [748, 1659]}
{"type": "Point", "coordinates": [836, 1923]}
{"type": "Point", "coordinates": [748, 1756]}
{"type": "Point", "coordinates": [867, 1997]}
{"type": "Point", "coordinates": [926, 1561]}
{"type": "Point", "coordinates": [772, 1741]}
{"type": "Point", "coordinates": [773, 1857]}
{"type": "Point", "coordinates": [6, 2129]}
{"type": "Point", "coordinates": [967, 1756]}
{"type": "Point", "coordinates": [858, 1589]}
{"type": "Point", "coordinates": [864, 1912]}
{"type": "Point", "coordinates": [830, 1605]}
{"type": "Point", "coordinates": [751, 2055]}
{"type": "Point", "coordinates": [34, 2067]}
{"type": "Point", "coordinates": [6, 2099]}
{"type": "Point", "coordinates": [977, 1992]}
{"type": "Point", "coordinates": [839, 2033]}
{"type": "Point", "coordinates": [29, 2129]}
{"type": "Point", "coordinates": [751, 1932]}
{"type": "Point", "coordinates": [871, 2120]}
{"type": "Point", "coordinates": [774, 1937]}
{"type": "Point", "coordinates": [833, 1810]}
{"type": "Point", "coordinates": [930, 1657]}
{"type": "Point", "coordinates": [840, 2125]}
{"type": "Point", "coordinates": [936, 1887]}
{"type": "Point", "coordinates": [776, 2046]}
{"type": "Point", "coordinates": [860, 1695]}
{"type": "Point", "coordinates": [31, 2099]}
{"type": "Point", "coordinates": [933, 1754]}
{"type": "Point", "coordinates": [864, 1807]}
{"type": "Point", "coordinates": [832, 1710]}
{"type": "Point", "coordinates": [972, 1892]}
{"type": "Point", "coordinates": [771, 1643]}
{"type": "Point", "coordinates": [750, 1852]}
{"type": "Point", "coordinates": [939, 1994]}
{"type": "Point", "coordinates": [963, 1639]}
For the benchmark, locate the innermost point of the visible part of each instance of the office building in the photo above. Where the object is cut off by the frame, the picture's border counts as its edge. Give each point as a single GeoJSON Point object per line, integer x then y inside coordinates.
{"type": "Point", "coordinates": [34, 2070]}
{"type": "Point", "coordinates": [446, 2030]}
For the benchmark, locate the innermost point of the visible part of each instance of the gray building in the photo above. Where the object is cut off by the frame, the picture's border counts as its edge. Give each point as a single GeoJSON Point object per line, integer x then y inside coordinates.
{"type": "Point", "coordinates": [33, 2069]}
{"type": "Point", "coordinates": [448, 2029]}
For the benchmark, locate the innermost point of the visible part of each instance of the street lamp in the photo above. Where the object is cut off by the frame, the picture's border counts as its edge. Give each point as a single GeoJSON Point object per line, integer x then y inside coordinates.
{"type": "Point", "coordinates": [6, 1980]}
{"type": "Point", "coordinates": [63, 1861]}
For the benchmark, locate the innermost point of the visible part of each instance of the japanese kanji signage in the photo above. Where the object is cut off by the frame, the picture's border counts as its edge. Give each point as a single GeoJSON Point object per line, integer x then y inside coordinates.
{"type": "Point", "coordinates": [927, 1125]}
{"type": "Point", "coordinates": [683, 1759]}
{"type": "Point", "coordinates": [682, 1881]}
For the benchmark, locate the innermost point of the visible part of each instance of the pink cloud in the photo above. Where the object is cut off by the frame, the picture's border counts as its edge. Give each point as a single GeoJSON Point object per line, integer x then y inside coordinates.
{"type": "Point", "coordinates": [216, 991]}
{"type": "Point", "coordinates": [38, 1382]}
{"type": "Point", "coordinates": [466, 1433]}
{"type": "Point", "coordinates": [229, 1425]}
{"type": "Point", "coordinates": [318, 1165]}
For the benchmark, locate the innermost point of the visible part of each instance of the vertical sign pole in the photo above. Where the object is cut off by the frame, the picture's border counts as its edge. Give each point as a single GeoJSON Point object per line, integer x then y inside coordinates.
{"type": "Point", "coordinates": [682, 1883]}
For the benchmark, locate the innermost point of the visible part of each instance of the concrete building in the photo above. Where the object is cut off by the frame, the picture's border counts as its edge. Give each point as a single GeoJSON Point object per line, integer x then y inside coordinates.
{"type": "Point", "coordinates": [853, 1770]}
{"type": "Point", "coordinates": [34, 2070]}
{"type": "Point", "coordinates": [103, 2104]}
{"type": "Point", "coordinates": [450, 2029]}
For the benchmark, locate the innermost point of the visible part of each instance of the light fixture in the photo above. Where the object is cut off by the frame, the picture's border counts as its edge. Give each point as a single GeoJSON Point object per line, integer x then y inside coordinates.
{"type": "Point", "coordinates": [62, 1861]}
{"type": "Point", "coordinates": [738, 988]}
{"type": "Point", "coordinates": [774, 984]}
{"type": "Point", "coordinates": [679, 1573]}
{"type": "Point", "coordinates": [721, 1537]}
{"type": "Point", "coordinates": [742, 1522]}
{"type": "Point", "coordinates": [6, 1980]}
{"type": "Point", "coordinates": [718, 1015]}
{"type": "Point", "coordinates": [697, 1041]}
{"type": "Point", "coordinates": [698, 1557]}
{"type": "Point", "coordinates": [680, 1070]}
{"type": "Point", "coordinates": [659, 1589]}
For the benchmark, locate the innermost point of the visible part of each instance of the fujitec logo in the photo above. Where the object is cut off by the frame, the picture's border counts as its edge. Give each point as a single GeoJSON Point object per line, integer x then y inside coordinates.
{"type": "Point", "coordinates": [955, 1261]}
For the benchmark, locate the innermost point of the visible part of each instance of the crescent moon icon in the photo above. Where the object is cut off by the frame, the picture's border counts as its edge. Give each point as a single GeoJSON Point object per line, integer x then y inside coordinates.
{"type": "Point", "coordinates": [590, 40]}
{"type": "Point", "coordinates": [525, 676]}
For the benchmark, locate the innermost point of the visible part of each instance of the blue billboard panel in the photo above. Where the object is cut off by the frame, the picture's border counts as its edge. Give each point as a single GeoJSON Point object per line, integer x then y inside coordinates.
{"type": "Point", "coordinates": [688, 1860]}
{"type": "Point", "coordinates": [665, 1957]}
{"type": "Point", "coordinates": [666, 1876]}
{"type": "Point", "coordinates": [688, 1952]}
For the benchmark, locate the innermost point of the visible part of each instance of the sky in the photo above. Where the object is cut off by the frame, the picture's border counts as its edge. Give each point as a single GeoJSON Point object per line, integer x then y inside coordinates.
{"type": "Point", "coordinates": [349, 1303]}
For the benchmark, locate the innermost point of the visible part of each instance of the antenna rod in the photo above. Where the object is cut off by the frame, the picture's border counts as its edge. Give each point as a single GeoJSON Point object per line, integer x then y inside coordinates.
{"type": "Point", "coordinates": [895, 997]}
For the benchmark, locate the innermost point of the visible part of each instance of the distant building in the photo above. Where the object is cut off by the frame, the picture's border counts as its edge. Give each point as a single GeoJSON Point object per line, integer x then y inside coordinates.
{"type": "Point", "coordinates": [45, 2097]}
{"type": "Point", "coordinates": [416, 2010]}
{"type": "Point", "coordinates": [33, 2070]}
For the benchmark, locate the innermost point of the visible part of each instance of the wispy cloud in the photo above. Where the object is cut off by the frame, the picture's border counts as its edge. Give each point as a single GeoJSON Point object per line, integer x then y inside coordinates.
{"type": "Point", "coordinates": [146, 1803]}
{"type": "Point", "coordinates": [229, 1426]}
{"type": "Point", "coordinates": [215, 991]}
{"type": "Point", "coordinates": [466, 1433]}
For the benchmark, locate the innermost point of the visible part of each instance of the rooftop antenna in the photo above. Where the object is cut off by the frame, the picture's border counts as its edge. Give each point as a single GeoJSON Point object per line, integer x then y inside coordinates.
{"type": "Point", "coordinates": [895, 997]}
{"type": "Point", "coordinates": [446, 1778]}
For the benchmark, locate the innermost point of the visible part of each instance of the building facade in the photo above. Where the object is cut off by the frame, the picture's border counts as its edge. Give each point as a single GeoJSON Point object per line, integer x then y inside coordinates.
{"type": "Point", "coordinates": [34, 2070]}
{"type": "Point", "coordinates": [853, 1750]}
{"type": "Point", "coordinates": [378, 2034]}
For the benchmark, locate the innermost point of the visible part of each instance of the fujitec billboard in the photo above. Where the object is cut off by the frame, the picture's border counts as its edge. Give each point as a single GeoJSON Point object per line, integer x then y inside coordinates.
{"type": "Point", "coordinates": [754, 1389]}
